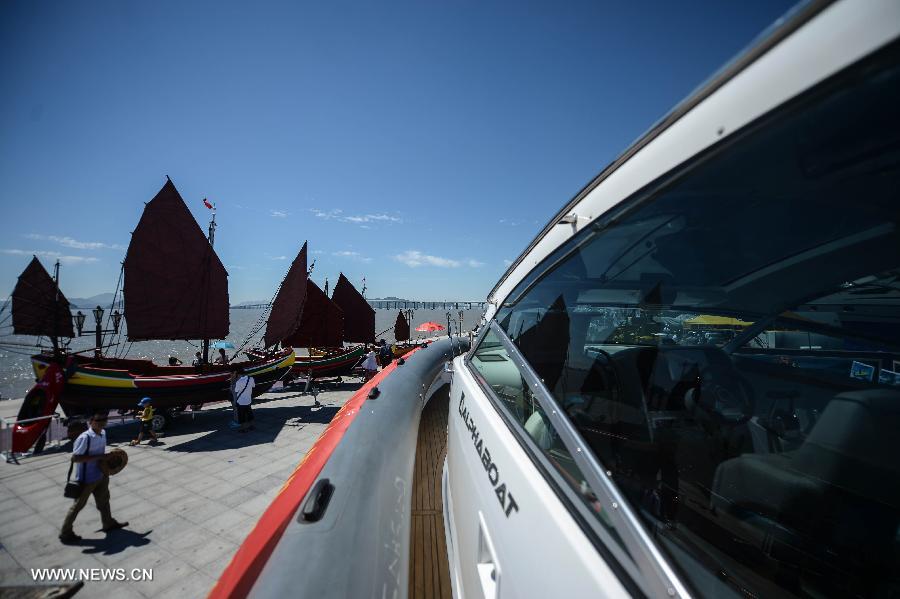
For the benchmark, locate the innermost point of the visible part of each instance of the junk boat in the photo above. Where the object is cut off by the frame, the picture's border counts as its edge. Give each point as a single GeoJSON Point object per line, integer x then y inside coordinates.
{"type": "Point", "coordinates": [323, 327]}
{"type": "Point", "coordinates": [175, 287]}
{"type": "Point", "coordinates": [326, 325]}
{"type": "Point", "coordinates": [591, 455]}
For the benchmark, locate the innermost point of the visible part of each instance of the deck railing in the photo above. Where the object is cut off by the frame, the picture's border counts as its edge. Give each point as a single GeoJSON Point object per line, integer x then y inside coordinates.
{"type": "Point", "coordinates": [55, 432]}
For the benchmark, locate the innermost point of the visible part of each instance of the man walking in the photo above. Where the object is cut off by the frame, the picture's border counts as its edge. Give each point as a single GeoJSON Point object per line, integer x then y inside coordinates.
{"type": "Point", "coordinates": [89, 449]}
{"type": "Point", "coordinates": [243, 393]}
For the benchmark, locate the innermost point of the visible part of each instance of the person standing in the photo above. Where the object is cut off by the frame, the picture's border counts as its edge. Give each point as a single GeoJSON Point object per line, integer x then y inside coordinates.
{"type": "Point", "coordinates": [385, 355]}
{"type": "Point", "coordinates": [87, 453]}
{"type": "Point", "coordinates": [198, 359]}
{"type": "Point", "coordinates": [370, 365]}
{"type": "Point", "coordinates": [243, 393]}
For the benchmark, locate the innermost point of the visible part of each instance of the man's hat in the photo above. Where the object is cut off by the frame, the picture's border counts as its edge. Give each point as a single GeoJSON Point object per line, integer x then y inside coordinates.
{"type": "Point", "coordinates": [144, 401]}
{"type": "Point", "coordinates": [114, 462]}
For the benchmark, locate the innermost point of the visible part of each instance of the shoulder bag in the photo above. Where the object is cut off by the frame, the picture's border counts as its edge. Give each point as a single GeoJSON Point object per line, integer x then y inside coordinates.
{"type": "Point", "coordinates": [73, 490]}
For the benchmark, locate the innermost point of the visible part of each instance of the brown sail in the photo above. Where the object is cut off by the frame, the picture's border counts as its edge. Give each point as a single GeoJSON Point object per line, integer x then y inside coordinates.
{"type": "Point", "coordinates": [322, 322]}
{"type": "Point", "coordinates": [38, 308]}
{"type": "Point", "coordinates": [287, 309]}
{"type": "Point", "coordinates": [359, 317]}
{"type": "Point", "coordinates": [401, 328]}
{"type": "Point", "coordinates": [175, 285]}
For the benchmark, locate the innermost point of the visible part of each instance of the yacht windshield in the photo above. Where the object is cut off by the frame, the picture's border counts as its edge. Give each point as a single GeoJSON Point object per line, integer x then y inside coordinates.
{"type": "Point", "coordinates": [728, 344]}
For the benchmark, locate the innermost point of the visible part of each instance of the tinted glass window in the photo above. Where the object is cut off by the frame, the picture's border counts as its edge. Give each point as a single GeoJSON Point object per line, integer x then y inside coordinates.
{"type": "Point", "coordinates": [729, 347]}
{"type": "Point", "coordinates": [499, 371]}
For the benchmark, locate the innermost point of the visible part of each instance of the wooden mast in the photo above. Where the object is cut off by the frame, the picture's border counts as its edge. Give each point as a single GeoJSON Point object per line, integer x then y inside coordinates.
{"type": "Point", "coordinates": [212, 244]}
{"type": "Point", "coordinates": [55, 338]}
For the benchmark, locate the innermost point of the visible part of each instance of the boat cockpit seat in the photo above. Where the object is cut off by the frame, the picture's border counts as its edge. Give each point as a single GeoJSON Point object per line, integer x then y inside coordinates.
{"type": "Point", "coordinates": [837, 494]}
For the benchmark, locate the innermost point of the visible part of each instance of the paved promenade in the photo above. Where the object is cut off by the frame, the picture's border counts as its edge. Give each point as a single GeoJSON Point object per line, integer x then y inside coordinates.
{"type": "Point", "coordinates": [190, 501]}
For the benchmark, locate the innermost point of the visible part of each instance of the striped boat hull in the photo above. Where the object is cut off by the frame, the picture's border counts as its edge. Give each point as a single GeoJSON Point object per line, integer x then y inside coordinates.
{"type": "Point", "coordinates": [110, 384]}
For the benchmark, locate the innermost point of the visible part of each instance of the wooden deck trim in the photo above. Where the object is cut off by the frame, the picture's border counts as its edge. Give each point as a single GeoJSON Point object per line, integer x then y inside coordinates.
{"type": "Point", "coordinates": [429, 568]}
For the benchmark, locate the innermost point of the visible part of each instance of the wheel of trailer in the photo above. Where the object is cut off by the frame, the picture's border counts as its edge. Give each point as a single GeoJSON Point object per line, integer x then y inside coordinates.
{"type": "Point", "coordinates": [161, 420]}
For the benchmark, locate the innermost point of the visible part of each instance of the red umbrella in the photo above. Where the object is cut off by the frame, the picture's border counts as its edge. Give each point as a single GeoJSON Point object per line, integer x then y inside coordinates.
{"type": "Point", "coordinates": [427, 327]}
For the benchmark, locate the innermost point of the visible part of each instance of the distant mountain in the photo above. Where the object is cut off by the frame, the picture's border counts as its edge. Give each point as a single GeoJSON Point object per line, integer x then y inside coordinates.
{"type": "Point", "coordinates": [251, 303]}
{"type": "Point", "coordinates": [389, 298]}
{"type": "Point", "coordinates": [103, 300]}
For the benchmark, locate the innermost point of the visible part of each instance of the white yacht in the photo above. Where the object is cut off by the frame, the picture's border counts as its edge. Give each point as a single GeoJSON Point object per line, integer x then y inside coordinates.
{"type": "Point", "coordinates": [689, 382]}
{"type": "Point", "coordinates": [687, 385]}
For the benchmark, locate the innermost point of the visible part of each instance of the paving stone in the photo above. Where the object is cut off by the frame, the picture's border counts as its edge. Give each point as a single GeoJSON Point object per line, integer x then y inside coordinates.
{"type": "Point", "coordinates": [183, 542]}
{"type": "Point", "coordinates": [256, 506]}
{"type": "Point", "coordinates": [215, 568]}
{"type": "Point", "coordinates": [198, 584]}
{"type": "Point", "coordinates": [50, 503]}
{"type": "Point", "coordinates": [8, 564]}
{"type": "Point", "coordinates": [33, 544]}
{"type": "Point", "coordinates": [239, 531]}
{"type": "Point", "coordinates": [13, 508]}
{"type": "Point", "coordinates": [245, 479]}
{"type": "Point", "coordinates": [166, 495]}
{"type": "Point", "coordinates": [26, 522]}
{"type": "Point", "coordinates": [149, 558]}
{"type": "Point", "coordinates": [166, 574]}
{"type": "Point", "coordinates": [25, 490]}
{"type": "Point", "coordinates": [198, 484]}
{"type": "Point", "coordinates": [219, 490]}
{"type": "Point", "coordinates": [239, 497]}
{"type": "Point", "coordinates": [79, 560]}
{"type": "Point", "coordinates": [224, 522]}
{"type": "Point", "coordinates": [218, 550]}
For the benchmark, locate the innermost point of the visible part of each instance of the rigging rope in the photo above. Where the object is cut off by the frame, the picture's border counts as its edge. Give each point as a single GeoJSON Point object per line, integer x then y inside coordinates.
{"type": "Point", "coordinates": [118, 334]}
{"type": "Point", "coordinates": [262, 320]}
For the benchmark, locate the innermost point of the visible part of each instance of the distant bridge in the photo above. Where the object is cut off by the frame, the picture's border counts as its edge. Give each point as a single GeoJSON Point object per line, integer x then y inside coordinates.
{"type": "Point", "coordinates": [397, 305]}
{"type": "Point", "coordinates": [411, 305]}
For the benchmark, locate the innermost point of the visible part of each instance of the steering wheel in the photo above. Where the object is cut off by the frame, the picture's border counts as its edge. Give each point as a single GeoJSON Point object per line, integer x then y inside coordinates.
{"type": "Point", "coordinates": [724, 395]}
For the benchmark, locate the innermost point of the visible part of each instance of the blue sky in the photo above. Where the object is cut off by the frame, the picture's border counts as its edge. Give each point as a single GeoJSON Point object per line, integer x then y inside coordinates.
{"type": "Point", "coordinates": [419, 144]}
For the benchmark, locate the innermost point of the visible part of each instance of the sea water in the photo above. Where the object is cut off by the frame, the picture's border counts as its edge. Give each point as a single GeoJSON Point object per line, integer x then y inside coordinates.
{"type": "Point", "coordinates": [17, 377]}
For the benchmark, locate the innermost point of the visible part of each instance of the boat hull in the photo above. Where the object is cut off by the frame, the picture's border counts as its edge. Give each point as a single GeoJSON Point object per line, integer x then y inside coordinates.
{"type": "Point", "coordinates": [108, 384]}
{"type": "Point", "coordinates": [401, 350]}
{"type": "Point", "coordinates": [37, 408]}
{"type": "Point", "coordinates": [334, 364]}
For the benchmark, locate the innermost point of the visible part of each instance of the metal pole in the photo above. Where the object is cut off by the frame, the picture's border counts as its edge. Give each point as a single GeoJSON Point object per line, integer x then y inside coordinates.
{"type": "Point", "coordinates": [55, 339]}
{"type": "Point", "coordinates": [212, 243]}
{"type": "Point", "coordinates": [98, 340]}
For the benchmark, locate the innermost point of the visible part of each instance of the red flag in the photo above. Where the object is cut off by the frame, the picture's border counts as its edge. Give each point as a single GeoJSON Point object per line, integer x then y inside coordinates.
{"type": "Point", "coordinates": [207, 204]}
